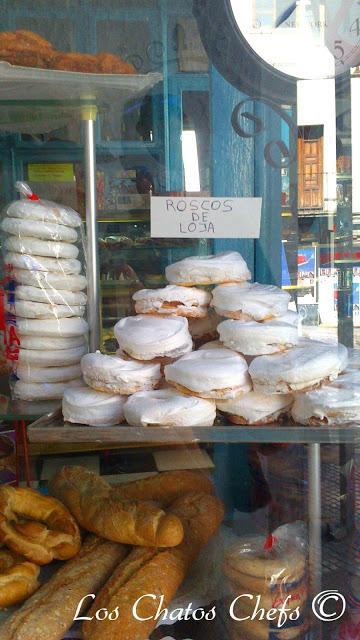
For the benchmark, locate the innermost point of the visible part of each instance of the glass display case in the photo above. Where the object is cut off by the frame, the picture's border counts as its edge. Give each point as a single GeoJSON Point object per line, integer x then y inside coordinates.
{"type": "Point", "coordinates": [201, 439]}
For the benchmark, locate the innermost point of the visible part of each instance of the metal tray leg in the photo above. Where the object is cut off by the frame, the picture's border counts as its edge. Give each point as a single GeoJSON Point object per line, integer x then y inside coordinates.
{"type": "Point", "coordinates": [314, 511]}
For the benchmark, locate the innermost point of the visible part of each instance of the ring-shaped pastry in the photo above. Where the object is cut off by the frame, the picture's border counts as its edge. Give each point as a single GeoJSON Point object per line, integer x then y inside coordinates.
{"type": "Point", "coordinates": [18, 578]}
{"type": "Point", "coordinates": [38, 527]}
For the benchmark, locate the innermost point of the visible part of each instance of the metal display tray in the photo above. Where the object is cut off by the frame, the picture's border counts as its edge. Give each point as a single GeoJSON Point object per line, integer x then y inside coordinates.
{"type": "Point", "coordinates": [52, 428]}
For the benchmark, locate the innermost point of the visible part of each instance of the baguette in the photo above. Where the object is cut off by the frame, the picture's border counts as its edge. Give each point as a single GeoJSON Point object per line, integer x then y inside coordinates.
{"type": "Point", "coordinates": [150, 571]}
{"type": "Point", "coordinates": [165, 487]}
{"type": "Point", "coordinates": [49, 613]}
{"type": "Point", "coordinates": [98, 508]}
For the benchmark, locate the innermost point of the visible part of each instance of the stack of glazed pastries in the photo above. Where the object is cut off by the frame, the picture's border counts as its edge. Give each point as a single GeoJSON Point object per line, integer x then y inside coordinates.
{"type": "Point", "coordinates": [250, 374]}
{"type": "Point", "coordinates": [48, 303]}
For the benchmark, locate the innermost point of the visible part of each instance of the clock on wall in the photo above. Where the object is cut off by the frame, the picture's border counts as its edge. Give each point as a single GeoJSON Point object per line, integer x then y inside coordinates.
{"type": "Point", "coordinates": [265, 46]}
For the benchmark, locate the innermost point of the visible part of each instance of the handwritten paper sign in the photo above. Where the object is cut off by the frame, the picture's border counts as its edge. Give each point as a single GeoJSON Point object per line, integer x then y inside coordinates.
{"type": "Point", "coordinates": [201, 217]}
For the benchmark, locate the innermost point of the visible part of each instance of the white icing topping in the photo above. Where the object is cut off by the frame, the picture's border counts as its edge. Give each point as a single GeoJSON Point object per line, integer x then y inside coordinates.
{"type": "Point", "coordinates": [213, 344]}
{"type": "Point", "coordinates": [333, 404]}
{"type": "Point", "coordinates": [258, 338]}
{"type": "Point", "coordinates": [40, 263]}
{"type": "Point", "coordinates": [298, 368]}
{"type": "Point", "coordinates": [44, 211]}
{"type": "Point", "coordinates": [50, 296]}
{"type": "Point", "coordinates": [348, 379]}
{"type": "Point", "coordinates": [209, 370]}
{"type": "Point", "coordinates": [42, 230]}
{"type": "Point", "coordinates": [258, 301]}
{"type": "Point", "coordinates": [256, 407]}
{"type": "Point", "coordinates": [123, 375]}
{"type": "Point", "coordinates": [86, 406]}
{"type": "Point", "coordinates": [165, 407]}
{"type": "Point", "coordinates": [223, 267]}
{"type": "Point", "coordinates": [36, 247]}
{"type": "Point", "coordinates": [47, 280]}
{"type": "Point", "coordinates": [146, 337]}
{"type": "Point", "coordinates": [153, 299]}
{"type": "Point", "coordinates": [62, 328]}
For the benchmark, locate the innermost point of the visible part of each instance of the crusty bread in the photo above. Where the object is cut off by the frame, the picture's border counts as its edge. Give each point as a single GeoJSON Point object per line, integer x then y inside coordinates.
{"type": "Point", "coordinates": [49, 613]}
{"type": "Point", "coordinates": [37, 526]}
{"type": "Point", "coordinates": [166, 487]}
{"type": "Point", "coordinates": [150, 571]}
{"type": "Point", "coordinates": [97, 508]}
{"type": "Point", "coordinates": [18, 578]}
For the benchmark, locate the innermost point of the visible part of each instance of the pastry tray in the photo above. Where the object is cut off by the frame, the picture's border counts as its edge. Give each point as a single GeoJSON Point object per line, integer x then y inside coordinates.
{"type": "Point", "coordinates": [51, 428]}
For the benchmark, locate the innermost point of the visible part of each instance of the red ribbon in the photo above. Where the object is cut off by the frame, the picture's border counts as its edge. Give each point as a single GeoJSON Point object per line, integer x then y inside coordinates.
{"type": "Point", "coordinates": [270, 542]}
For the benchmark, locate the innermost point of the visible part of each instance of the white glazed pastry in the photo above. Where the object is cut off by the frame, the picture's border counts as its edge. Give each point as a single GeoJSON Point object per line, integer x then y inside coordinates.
{"type": "Point", "coordinates": [42, 343]}
{"type": "Point", "coordinates": [147, 337]}
{"type": "Point", "coordinates": [51, 358]}
{"type": "Point", "coordinates": [331, 405]}
{"type": "Point", "coordinates": [354, 360]}
{"type": "Point", "coordinates": [86, 406]}
{"type": "Point", "coordinates": [204, 329]}
{"type": "Point", "coordinates": [204, 270]}
{"type": "Point", "coordinates": [44, 211]}
{"type": "Point", "coordinates": [112, 374]}
{"type": "Point", "coordinates": [167, 408]}
{"type": "Point", "coordinates": [212, 373]}
{"type": "Point", "coordinates": [43, 390]}
{"type": "Point", "coordinates": [250, 301]}
{"type": "Point", "coordinates": [42, 230]}
{"type": "Point", "coordinates": [188, 302]}
{"type": "Point", "coordinates": [31, 373]}
{"type": "Point", "coordinates": [64, 266]}
{"type": "Point", "coordinates": [50, 296]}
{"type": "Point", "coordinates": [258, 338]}
{"type": "Point", "coordinates": [47, 280]}
{"type": "Point", "coordinates": [62, 328]}
{"type": "Point", "coordinates": [256, 408]}
{"type": "Point", "coordinates": [348, 379]}
{"type": "Point", "coordinates": [213, 344]}
{"type": "Point", "coordinates": [30, 309]}
{"type": "Point", "coordinates": [302, 368]}
{"type": "Point", "coordinates": [35, 247]}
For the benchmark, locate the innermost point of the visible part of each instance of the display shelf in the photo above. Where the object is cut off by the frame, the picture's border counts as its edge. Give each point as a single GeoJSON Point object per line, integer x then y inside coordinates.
{"type": "Point", "coordinates": [27, 84]}
{"type": "Point", "coordinates": [52, 428]}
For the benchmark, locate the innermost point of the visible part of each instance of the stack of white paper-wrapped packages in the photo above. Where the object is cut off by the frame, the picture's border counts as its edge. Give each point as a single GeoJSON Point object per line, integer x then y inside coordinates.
{"type": "Point", "coordinates": [45, 299]}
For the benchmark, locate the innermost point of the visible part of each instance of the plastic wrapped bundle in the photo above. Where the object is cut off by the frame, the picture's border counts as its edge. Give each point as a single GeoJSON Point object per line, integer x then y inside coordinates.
{"type": "Point", "coordinates": [45, 299]}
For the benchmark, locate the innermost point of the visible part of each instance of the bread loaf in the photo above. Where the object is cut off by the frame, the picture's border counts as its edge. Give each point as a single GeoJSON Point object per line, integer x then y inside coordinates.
{"type": "Point", "coordinates": [49, 613]}
{"type": "Point", "coordinates": [149, 571]}
{"type": "Point", "coordinates": [166, 487]}
{"type": "Point", "coordinates": [97, 508]}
